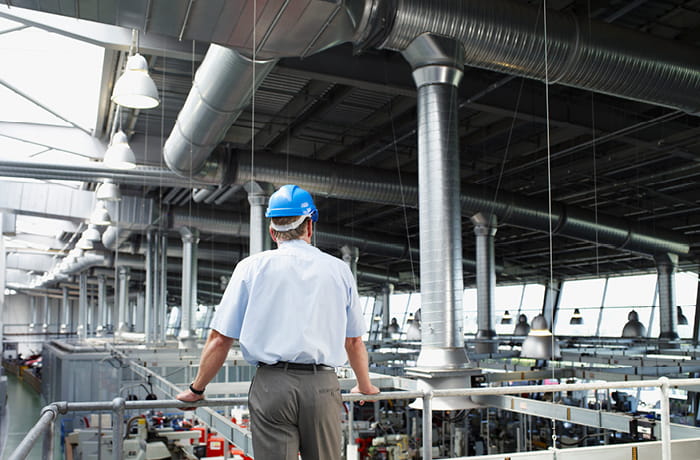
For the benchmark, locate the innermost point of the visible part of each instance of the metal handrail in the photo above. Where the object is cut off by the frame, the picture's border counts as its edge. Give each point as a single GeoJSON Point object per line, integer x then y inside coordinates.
{"type": "Point", "coordinates": [44, 425]}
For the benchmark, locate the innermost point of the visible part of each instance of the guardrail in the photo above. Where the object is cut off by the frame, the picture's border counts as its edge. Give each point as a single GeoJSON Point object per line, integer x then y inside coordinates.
{"type": "Point", "coordinates": [45, 425]}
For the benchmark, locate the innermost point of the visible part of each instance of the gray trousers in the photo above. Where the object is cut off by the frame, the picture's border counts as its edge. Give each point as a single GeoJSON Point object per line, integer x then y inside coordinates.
{"type": "Point", "coordinates": [295, 411]}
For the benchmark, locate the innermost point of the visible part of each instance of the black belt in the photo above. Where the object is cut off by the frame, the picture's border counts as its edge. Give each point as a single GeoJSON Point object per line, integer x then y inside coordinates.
{"type": "Point", "coordinates": [298, 366]}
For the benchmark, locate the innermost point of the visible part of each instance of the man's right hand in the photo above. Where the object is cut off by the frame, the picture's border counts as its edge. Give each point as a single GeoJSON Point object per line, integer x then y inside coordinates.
{"type": "Point", "coordinates": [188, 396]}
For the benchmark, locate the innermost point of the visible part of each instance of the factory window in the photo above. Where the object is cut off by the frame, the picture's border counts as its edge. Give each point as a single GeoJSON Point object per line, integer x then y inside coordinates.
{"type": "Point", "coordinates": [626, 291]}
{"type": "Point", "coordinates": [507, 298]}
{"type": "Point", "coordinates": [686, 298]}
{"type": "Point", "coordinates": [587, 297]}
{"type": "Point", "coordinates": [469, 303]}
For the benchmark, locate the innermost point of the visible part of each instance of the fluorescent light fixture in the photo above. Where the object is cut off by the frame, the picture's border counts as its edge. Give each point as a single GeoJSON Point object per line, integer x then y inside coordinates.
{"type": "Point", "coordinates": [135, 88]}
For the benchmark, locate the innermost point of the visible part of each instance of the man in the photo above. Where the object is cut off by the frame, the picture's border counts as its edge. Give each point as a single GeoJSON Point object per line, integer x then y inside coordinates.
{"type": "Point", "coordinates": [296, 314]}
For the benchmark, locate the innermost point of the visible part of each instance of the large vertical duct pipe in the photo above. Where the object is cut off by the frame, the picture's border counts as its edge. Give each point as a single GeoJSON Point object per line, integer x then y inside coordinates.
{"type": "Point", "coordinates": [437, 71]}
{"type": "Point", "coordinates": [82, 306]}
{"type": "Point", "coordinates": [442, 361]}
{"type": "Point", "coordinates": [65, 308]}
{"type": "Point", "coordinates": [387, 291]}
{"type": "Point", "coordinates": [351, 254]}
{"type": "Point", "coordinates": [190, 239]}
{"type": "Point", "coordinates": [123, 299]}
{"type": "Point", "coordinates": [33, 313]}
{"type": "Point", "coordinates": [148, 301]}
{"type": "Point", "coordinates": [101, 319]}
{"type": "Point", "coordinates": [47, 314]}
{"type": "Point", "coordinates": [259, 235]}
{"type": "Point", "coordinates": [163, 287]}
{"type": "Point", "coordinates": [485, 230]}
{"type": "Point", "coordinates": [666, 265]}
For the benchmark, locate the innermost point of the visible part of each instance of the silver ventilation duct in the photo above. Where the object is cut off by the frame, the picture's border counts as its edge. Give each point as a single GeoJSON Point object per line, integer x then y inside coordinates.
{"type": "Point", "coordinates": [223, 86]}
{"type": "Point", "coordinates": [666, 266]}
{"type": "Point", "coordinates": [377, 186]}
{"type": "Point", "coordinates": [485, 230]}
{"type": "Point", "coordinates": [507, 36]}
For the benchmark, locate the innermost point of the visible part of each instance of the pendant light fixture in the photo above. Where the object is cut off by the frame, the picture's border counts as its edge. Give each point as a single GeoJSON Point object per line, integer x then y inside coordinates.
{"type": "Point", "coordinates": [506, 318]}
{"type": "Point", "coordinates": [100, 215]}
{"type": "Point", "coordinates": [119, 154]}
{"type": "Point", "coordinates": [682, 320]}
{"type": "Point", "coordinates": [108, 191]}
{"type": "Point", "coordinates": [576, 318]}
{"type": "Point", "coordinates": [539, 343]}
{"type": "Point", "coordinates": [634, 328]}
{"type": "Point", "coordinates": [135, 88]}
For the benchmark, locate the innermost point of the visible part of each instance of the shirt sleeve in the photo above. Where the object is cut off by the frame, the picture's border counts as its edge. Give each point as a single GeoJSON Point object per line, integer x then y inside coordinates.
{"type": "Point", "coordinates": [356, 322]}
{"type": "Point", "coordinates": [228, 318]}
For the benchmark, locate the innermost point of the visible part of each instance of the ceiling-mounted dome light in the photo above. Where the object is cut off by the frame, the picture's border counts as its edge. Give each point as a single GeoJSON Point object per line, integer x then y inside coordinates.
{"type": "Point", "coordinates": [506, 318]}
{"type": "Point", "coordinates": [100, 216]}
{"type": "Point", "coordinates": [108, 191]}
{"type": "Point", "coordinates": [682, 320]}
{"type": "Point", "coordinates": [119, 154]}
{"type": "Point", "coordinates": [634, 328]}
{"type": "Point", "coordinates": [576, 318]}
{"type": "Point", "coordinates": [540, 344]}
{"type": "Point", "coordinates": [135, 88]}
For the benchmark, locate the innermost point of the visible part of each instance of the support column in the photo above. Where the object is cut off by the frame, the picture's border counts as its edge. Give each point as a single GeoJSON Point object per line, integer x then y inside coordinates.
{"type": "Point", "coordinates": [101, 319]}
{"type": "Point", "coordinates": [33, 313]}
{"type": "Point", "coordinates": [387, 291]}
{"type": "Point", "coordinates": [485, 226]}
{"type": "Point", "coordinates": [437, 64]}
{"type": "Point", "coordinates": [190, 239]}
{"type": "Point", "coordinates": [163, 287]}
{"type": "Point", "coordinates": [3, 283]}
{"type": "Point", "coordinates": [45, 325]}
{"type": "Point", "coordinates": [148, 301]}
{"type": "Point", "coordinates": [65, 308]}
{"type": "Point", "coordinates": [666, 265]}
{"type": "Point", "coordinates": [82, 306]}
{"type": "Point", "coordinates": [122, 300]}
{"type": "Point", "coordinates": [259, 235]}
{"type": "Point", "coordinates": [351, 254]}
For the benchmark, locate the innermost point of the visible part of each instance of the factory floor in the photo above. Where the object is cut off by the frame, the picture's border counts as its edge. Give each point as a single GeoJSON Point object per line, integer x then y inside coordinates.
{"type": "Point", "coordinates": [23, 410]}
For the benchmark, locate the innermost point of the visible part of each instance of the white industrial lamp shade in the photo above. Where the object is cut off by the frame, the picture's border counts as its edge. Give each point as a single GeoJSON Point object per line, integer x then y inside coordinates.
{"type": "Point", "coordinates": [634, 328]}
{"type": "Point", "coordinates": [540, 344]}
{"type": "Point", "coordinates": [119, 155]}
{"type": "Point", "coordinates": [682, 320]}
{"type": "Point", "coordinates": [522, 328]}
{"type": "Point", "coordinates": [135, 88]}
{"type": "Point", "coordinates": [92, 233]}
{"type": "Point", "coordinates": [108, 191]}
{"type": "Point", "coordinates": [506, 318]}
{"type": "Point", "coordinates": [100, 216]}
{"type": "Point", "coordinates": [85, 244]}
{"type": "Point", "coordinates": [576, 318]}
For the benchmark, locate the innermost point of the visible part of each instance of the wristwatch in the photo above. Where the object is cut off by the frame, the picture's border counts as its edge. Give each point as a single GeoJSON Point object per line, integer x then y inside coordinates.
{"type": "Point", "coordinates": [195, 391]}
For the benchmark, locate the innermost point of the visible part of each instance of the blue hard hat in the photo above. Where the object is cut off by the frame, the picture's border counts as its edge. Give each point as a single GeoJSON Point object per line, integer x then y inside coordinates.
{"type": "Point", "coordinates": [291, 200]}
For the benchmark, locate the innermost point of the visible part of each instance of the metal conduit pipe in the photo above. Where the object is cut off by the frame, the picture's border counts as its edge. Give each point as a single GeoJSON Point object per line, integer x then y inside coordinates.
{"type": "Point", "coordinates": [82, 307]}
{"type": "Point", "coordinates": [122, 299]}
{"type": "Point", "coordinates": [367, 184]}
{"type": "Point", "coordinates": [506, 36]}
{"type": "Point", "coordinates": [190, 239]}
{"type": "Point", "coordinates": [666, 266]}
{"type": "Point", "coordinates": [101, 305]}
{"type": "Point", "coordinates": [223, 86]}
{"type": "Point", "coordinates": [485, 230]}
{"type": "Point", "coordinates": [437, 71]}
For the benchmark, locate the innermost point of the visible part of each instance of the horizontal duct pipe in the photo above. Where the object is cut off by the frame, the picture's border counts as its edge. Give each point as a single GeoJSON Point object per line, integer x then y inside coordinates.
{"type": "Point", "coordinates": [378, 186]}
{"type": "Point", "coordinates": [507, 36]}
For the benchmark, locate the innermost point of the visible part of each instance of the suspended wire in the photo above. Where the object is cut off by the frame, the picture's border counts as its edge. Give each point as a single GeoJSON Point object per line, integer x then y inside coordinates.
{"type": "Point", "coordinates": [252, 102]}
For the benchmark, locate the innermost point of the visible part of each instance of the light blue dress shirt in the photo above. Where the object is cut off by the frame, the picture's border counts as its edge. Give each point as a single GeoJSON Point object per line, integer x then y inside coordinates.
{"type": "Point", "coordinates": [294, 304]}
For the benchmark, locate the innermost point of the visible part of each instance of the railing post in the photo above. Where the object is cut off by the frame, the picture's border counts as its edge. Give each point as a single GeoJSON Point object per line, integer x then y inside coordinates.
{"type": "Point", "coordinates": [118, 408]}
{"type": "Point", "coordinates": [665, 420]}
{"type": "Point", "coordinates": [47, 447]}
{"type": "Point", "coordinates": [428, 425]}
